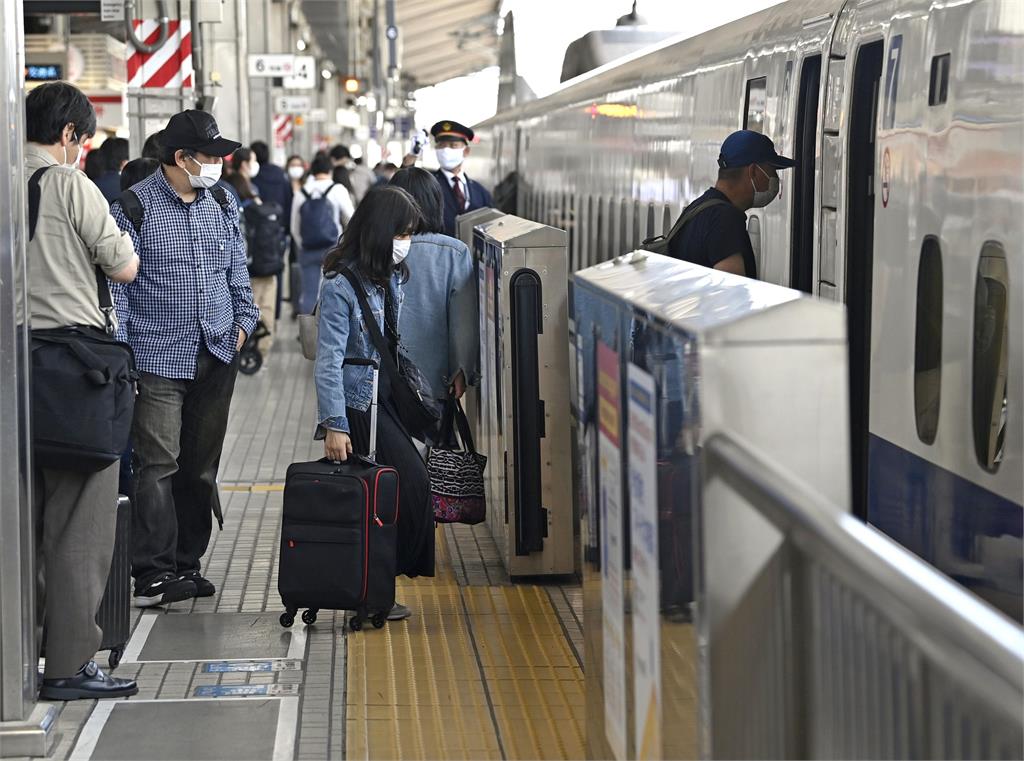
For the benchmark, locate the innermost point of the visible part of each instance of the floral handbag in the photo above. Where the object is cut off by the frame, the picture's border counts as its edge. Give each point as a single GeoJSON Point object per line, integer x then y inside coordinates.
{"type": "Point", "coordinates": [456, 471]}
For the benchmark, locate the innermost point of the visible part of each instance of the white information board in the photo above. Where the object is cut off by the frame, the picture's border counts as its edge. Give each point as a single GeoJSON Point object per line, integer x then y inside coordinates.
{"type": "Point", "coordinates": [303, 74]}
{"type": "Point", "coordinates": [612, 584]}
{"type": "Point", "coordinates": [293, 104]}
{"type": "Point", "coordinates": [112, 10]}
{"type": "Point", "coordinates": [643, 510]}
{"type": "Point", "coordinates": [271, 64]}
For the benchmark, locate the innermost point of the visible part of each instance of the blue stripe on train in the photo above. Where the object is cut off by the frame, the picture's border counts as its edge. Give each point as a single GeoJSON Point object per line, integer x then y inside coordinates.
{"type": "Point", "coordinates": [967, 532]}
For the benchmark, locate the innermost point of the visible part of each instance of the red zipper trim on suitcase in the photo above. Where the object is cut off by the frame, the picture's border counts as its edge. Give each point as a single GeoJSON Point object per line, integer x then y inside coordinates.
{"type": "Point", "coordinates": [366, 534]}
{"type": "Point", "coordinates": [376, 491]}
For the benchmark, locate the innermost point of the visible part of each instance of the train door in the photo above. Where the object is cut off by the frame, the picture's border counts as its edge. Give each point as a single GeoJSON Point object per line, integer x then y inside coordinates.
{"type": "Point", "coordinates": [801, 274]}
{"type": "Point", "coordinates": [861, 165]}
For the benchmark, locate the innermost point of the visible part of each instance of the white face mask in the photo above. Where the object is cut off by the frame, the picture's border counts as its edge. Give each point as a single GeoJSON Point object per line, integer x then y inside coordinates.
{"type": "Point", "coordinates": [400, 250]}
{"type": "Point", "coordinates": [209, 175]}
{"type": "Point", "coordinates": [254, 168]}
{"type": "Point", "coordinates": [296, 172]}
{"type": "Point", "coordinates": [449, 158]}
{"type": "Point", "coordinates": [764, 197]}
{"type": "Point", "coordinates": [73, 164]}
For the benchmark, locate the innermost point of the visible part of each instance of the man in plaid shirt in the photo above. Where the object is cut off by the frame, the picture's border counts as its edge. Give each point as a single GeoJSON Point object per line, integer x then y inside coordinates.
{"type": "Point", "coordinates": [186, 316]}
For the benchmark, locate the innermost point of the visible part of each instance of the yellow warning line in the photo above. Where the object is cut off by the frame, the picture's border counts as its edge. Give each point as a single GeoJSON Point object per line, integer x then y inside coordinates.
{"type": "Point", "coordinates": [476, 673]}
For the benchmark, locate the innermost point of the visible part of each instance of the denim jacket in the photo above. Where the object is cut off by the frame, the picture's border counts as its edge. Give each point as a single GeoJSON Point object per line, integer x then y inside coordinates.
{"type": "Point", "coordinates": [343, 334]}
{"type": "Point", "coordinates": [440, 325]}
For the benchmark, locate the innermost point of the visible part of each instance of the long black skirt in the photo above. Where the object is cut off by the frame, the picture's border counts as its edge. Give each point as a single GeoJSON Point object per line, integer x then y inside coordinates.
{"type": "Point", "coordinates": [415, 515]}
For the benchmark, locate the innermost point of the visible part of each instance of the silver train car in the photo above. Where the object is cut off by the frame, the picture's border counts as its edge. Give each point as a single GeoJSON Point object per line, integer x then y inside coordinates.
{"type": "Point", "coordinates": [907, 205]}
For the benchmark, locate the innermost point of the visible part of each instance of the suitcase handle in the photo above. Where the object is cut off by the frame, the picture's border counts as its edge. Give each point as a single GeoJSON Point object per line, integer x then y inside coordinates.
{"type": "Point", "coordinates": [361, 458]}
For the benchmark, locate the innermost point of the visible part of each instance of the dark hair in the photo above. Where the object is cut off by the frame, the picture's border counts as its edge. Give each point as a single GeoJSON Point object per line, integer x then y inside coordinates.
{"type": "Point", "coordinates": [262, 151]}
{"type": "Point", "coordinates": [167, 154]}
{"type": "Point", "coordinates": [242, 185]}
{"type": "Point", "coordinates": [731, 173]}
{"type": "Point", "coordinates": [340, 152]}
{"type": "Point", "coordinates": [137, 170]}
{"type": "Point", "coordinates": [320, 165]}
{"type": "Point", "coordinates": [367, 243]}
{"type": "Point", "coordinates": [359, 161]}
{"type": "Point", "coordinates": [239, 157]}
{"type": "Point", "coordinates": [424, 187]}
{"type": "Point", "coordinates": [95, 164]}
{"type": "Point", "coordinates": [293, 157]}
{"type": "Point", "coordinates": [153, 148]}
{"type": "Point", "coordinates": [49, 108]}
{"type": "Point", "coordinates": [115, 149]}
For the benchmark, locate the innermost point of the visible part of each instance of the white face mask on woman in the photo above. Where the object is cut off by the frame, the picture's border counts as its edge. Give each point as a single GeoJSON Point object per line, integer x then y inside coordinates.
{"type": "Point", "coordinates": [254, 168]}
{"type": "Point", "coordinates": [296, 172]}
{"type": "Point", "coordinates": [400, 250]}
{"type": "Point", "coordinates": [209, 175]}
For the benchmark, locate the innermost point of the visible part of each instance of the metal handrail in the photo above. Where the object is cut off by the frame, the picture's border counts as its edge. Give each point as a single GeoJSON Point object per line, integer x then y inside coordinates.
{"type": "Point", "coordinates": [965, 635]}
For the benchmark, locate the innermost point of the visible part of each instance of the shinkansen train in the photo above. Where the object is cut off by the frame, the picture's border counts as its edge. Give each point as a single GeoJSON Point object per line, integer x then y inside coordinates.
{"type": "Point", "coordinates": [907, 205]}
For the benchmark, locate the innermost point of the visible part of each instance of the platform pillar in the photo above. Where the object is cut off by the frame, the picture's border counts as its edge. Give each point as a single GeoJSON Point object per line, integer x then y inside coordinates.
{"type": "Point", "coordinates": [26, 727]}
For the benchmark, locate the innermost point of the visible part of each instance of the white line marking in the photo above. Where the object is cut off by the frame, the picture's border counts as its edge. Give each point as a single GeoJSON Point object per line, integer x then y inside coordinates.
{"type": "Point", "coordinates": [297, 645]}
{"type": "Point", "coordinates": [90, 733]}
{"type": "Point", "coordinates": [287, 722]}
{"type": "Point", "coordinates": [139, 637]}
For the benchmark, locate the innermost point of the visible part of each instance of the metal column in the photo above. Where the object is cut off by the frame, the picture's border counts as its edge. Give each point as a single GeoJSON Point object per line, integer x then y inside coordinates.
{"type": "Point", "coordinates": [26, 728]}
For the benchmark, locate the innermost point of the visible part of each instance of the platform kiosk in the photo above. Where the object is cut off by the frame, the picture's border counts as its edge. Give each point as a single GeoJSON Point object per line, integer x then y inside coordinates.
{"type": "Point", "coordinates": [524, 422]}
{"type": "Point", "coordinates": [669, 353]}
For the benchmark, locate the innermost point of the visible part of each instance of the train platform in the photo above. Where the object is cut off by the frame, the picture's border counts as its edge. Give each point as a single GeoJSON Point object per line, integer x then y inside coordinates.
{"type": "Point", "coordinates": [483, 668]}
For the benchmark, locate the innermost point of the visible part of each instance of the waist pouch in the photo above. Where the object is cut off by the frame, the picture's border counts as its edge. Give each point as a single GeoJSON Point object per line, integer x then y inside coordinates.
{"type": "Point", "coordinates": [83, 398]}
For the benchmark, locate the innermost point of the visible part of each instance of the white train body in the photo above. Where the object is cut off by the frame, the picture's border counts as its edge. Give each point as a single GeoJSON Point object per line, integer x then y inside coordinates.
{"type": "Point", "coordinates": [910, 138]}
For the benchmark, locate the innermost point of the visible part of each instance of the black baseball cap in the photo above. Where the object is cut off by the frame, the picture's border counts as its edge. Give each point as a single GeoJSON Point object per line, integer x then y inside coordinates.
{"type": "Point", "coordinates": [197, 131]}
{"type": "Point", "coordinates": [747, 147]}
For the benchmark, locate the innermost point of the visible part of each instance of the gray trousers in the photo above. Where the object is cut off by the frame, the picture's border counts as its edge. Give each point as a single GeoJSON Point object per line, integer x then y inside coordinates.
{"type": "Point", "coordinates": [76, 514]}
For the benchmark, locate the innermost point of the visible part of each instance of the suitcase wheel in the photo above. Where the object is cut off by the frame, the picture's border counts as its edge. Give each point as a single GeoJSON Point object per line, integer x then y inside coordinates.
{"type": "Point", "coordinates": [287, 618]}
{"type": "Point", "coordinates": [114, 658]}
{"type": "Point", "coordinates": [379, 619]}
{"type": "Point", "coordinates": [356, 623]}
{"type": "Point", "coordinates": [309, 616]}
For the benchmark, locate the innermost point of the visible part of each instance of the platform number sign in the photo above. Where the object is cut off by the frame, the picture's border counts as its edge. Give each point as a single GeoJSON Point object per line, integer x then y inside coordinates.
{"type": "Point", "coordinates": [303, 76]}
{"type": "Point", "coordinates": [892, 80]}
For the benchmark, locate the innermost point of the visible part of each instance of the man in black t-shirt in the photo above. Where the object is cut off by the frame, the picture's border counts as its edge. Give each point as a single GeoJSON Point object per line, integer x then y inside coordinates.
{"type": "Point", "coordinates": [715, 235]}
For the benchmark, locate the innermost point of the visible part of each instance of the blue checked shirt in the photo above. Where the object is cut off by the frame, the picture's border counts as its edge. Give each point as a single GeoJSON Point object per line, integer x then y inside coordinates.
{"type": "Point", "coordinates": [192, 286]}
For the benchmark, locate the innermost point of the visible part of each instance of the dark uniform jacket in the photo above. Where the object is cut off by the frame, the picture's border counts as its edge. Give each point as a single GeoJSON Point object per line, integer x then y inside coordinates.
{"type": "Point", "coordinates": [479, 198]}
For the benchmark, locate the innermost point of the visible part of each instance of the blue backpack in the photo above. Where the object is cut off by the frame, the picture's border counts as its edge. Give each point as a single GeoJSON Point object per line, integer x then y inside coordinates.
{"type": "Point", "coordinates": [319, 225]}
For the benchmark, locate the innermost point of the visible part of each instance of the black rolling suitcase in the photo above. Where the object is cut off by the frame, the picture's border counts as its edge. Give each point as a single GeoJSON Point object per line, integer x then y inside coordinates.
{"type": "Point", "coordinates": [114, 614]}
{"type": "Point", "coordinates": [339, 536]}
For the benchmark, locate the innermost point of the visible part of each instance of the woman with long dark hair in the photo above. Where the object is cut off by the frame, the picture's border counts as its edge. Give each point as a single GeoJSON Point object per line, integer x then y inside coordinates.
{"type": "Point", "coordinates": [440, 320]}
{"type": "Point", "coordinates": [373, 247]}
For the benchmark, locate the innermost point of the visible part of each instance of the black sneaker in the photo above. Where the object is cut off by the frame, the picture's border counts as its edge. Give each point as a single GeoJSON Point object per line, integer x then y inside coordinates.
{"type": "Point", "coordinates": [204, 587]}
{"type": "Point", "coordinates": [163, 589]}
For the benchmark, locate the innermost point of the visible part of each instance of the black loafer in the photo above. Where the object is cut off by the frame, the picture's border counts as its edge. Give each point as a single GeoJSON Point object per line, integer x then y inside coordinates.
{"type": "Point", "coordinates": [89, 683]}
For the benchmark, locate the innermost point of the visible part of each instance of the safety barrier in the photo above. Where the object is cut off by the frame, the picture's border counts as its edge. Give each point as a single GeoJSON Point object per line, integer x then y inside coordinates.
{"type": "Point", "coordinates": [842, 644]}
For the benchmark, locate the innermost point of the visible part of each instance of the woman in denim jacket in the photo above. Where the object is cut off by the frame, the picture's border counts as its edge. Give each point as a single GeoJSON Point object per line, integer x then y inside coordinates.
{"type": "Point", "coordinates": [373, 246]}
{"type": "Point", "coordinates": [440, 317]}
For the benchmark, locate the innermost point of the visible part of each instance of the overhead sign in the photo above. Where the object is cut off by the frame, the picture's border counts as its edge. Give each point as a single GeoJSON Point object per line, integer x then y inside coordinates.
{"type": "Point", "coordinates": [293, 104]}
{"type": "Point", "coordinates": [112, 10]}
{"type": "Point", "coordinates": [271, 65]}
{"type": "Point", "coordinates": [318, 115]}
{"type": "Point", "coordinates": [303, 74]}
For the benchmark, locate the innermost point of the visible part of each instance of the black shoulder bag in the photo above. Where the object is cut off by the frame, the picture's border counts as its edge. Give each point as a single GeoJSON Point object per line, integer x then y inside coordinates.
{"type": "Point", "coordinates": [83, 384]}
{"type": "Point", "coordinates": [418, 411]}
{"type": "Point", "coordinates": [659, 244]}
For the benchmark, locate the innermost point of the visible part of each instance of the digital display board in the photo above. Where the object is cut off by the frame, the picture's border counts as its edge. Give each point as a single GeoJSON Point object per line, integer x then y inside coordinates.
{"type": "Point", "coordinates": [49, 72]}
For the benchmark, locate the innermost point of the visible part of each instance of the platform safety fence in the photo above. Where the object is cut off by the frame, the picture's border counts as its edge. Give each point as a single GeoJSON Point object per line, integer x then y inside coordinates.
{"type": "Point", "coordinates": [844, 644]}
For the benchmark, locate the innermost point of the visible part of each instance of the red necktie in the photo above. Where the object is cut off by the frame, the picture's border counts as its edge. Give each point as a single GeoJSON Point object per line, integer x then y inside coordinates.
{"type": "Point", "coordinates": [460, 198]}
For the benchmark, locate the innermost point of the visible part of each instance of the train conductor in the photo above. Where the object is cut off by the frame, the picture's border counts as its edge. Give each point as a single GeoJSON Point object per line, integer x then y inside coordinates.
{"type": "Point", "coordinates": [461, 194]}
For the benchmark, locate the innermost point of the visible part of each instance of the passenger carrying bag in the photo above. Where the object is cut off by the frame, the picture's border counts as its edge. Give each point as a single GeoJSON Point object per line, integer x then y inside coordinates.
{"type": "Point", "coordinates": [418, 410]}
{"type": "Point", "coordinates": [659, 244]}
{"type": "Point", "coordinates": [318, 221]}
{"type": "Point", "coordinates": [456, 471]}
{"type": "Point", "coordinates": [83, 385]}
{"type": "Point", "coordinates": [265, 239]}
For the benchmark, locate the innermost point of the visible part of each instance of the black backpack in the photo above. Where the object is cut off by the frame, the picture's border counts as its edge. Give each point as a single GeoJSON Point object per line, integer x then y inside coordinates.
{"type": "Point", "coordinates": [83, 384]}
{"type": "Point", "coordinates": [318, 221]}
{"type": "Point", "coordinates": [659, 244]}
{"type": "Point", "coordinates": [265, 239]}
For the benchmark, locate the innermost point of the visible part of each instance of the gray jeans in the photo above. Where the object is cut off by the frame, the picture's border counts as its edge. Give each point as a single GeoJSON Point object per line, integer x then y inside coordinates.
{"type": "Point", "coordinates": [178, 434]}
{"type": "Point", "coordinates": [76, 514]}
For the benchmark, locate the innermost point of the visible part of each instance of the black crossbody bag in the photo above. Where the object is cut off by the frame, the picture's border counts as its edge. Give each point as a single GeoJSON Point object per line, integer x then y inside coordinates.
{"type": "Point", "coordinates": [83, 384]}
{"type": "Point", "coordinates": [418, 411]}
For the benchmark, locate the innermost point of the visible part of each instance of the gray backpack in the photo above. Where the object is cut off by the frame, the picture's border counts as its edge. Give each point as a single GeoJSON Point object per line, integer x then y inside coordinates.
{"type": "Point", "coordinates": [659, 244]}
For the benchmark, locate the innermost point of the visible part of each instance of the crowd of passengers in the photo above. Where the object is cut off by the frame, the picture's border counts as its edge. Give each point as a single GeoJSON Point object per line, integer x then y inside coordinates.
{"type": "Point", "coordinates": [193, 239]}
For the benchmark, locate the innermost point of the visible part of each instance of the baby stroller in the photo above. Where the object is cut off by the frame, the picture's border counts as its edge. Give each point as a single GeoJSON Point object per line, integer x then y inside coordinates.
{"type": "Point", "coordinates": [250, 360]}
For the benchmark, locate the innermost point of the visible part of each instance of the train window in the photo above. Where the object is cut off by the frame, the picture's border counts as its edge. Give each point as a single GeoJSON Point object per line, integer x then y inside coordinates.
{"type": "Point", "coordinates": [651, 232]}
{"type": "Point", "coordinates": [939, 88]}
{"type": "Point", "coordinates": [757, 99]}
{"type": "Point", "coordinates": [991, 350]}
{"type": "Point", "coordinates": [624, 236]}
{"type": "Point", "coordinates": [928, 341]}
{"type": "Point", "coordinates": [667, 219]}
{"type": "Point", "coordinates": [638, 233]}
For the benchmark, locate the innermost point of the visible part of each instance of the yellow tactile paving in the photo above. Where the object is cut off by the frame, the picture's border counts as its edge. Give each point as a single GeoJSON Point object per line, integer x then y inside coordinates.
{"type": "Point", "coordinates": [476, 673]}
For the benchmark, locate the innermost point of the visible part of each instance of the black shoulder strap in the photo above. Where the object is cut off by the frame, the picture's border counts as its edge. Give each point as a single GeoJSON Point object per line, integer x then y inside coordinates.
{"type": "Point", "coordinates": [305, 193]}
{"type": "Point", "coordinates": [102, 289]}
{"type": "Point", "coordinates": [220, 196]}
{"type": "Point", "coordinates": [132, 207]}
{"type": "Point", "coordinates": [328, 191]}
{"type": "Point", "coordinates": [686, 217]}
{"type": "Point", "coordinates": [387, 361]}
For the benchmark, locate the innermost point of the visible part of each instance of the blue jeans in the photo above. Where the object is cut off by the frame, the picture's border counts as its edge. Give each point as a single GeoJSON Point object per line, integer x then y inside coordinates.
{"type": "Point", "coordinates": [311, 263]}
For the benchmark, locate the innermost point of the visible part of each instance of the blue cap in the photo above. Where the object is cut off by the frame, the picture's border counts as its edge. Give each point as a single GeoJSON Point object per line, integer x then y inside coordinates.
{"type": "Point", "coordinates": [747, 147]}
